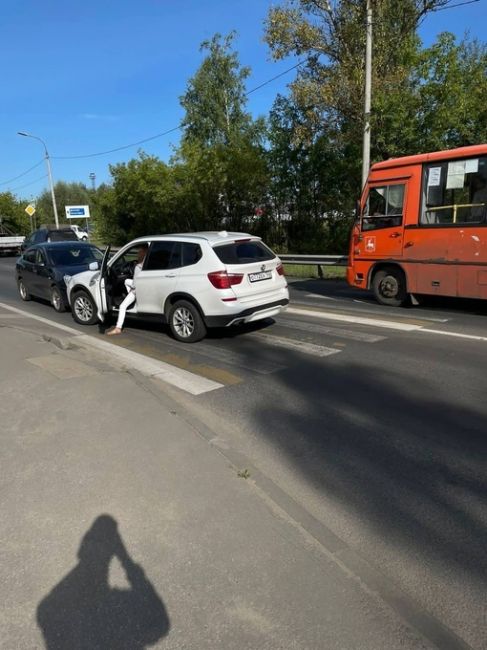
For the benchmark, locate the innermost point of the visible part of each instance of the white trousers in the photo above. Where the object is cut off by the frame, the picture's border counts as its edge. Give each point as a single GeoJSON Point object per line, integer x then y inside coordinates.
{"type": "Point", "coordinates": [127, 301]}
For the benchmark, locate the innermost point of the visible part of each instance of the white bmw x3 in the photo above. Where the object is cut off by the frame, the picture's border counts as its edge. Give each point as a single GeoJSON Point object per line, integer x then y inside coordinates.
{"type": "Point", "coordinates": [191, 281]}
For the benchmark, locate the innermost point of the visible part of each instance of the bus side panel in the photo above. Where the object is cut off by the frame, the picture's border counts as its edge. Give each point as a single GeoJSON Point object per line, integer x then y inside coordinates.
{"type": "Point", "coordinates": [471, 246]}
{"type": "Point", "coordinates": [427, 251]}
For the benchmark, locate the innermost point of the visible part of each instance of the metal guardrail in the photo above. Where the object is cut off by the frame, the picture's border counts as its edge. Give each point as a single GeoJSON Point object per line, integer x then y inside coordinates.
{"type": "Point", "coordinates": [309, 260]}
{"type": "Point", "coordinates": [316, 260]}
{"type": "Point", "coordinates": [322, 260]}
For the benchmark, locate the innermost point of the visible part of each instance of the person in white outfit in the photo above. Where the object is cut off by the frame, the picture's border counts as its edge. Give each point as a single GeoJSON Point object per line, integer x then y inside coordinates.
{"type": "Point", "coordinates": [129, 299]}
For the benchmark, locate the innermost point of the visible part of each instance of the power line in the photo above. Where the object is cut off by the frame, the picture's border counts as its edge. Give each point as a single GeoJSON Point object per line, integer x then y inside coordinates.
{"type": "Point", "coordinates": [175, 128]}
{"type": "Point", "coordinates": [27, 184]}
{"type": "Point", "coordinates": [459, 4]}
{"type": "Point", "coordinates": [22, 174]}
{"type": "Point", "coordinates": [126, 146]}
{"type": "Point", "coordinates": [276, 77]}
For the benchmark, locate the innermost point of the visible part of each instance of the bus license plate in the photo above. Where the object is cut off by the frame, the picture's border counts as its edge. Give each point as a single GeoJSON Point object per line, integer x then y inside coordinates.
{"type": "Point", "coordinates": [257, 277]}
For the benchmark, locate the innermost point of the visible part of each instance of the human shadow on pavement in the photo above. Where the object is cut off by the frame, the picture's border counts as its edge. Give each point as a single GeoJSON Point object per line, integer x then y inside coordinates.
{"type": "Point", "coordinates": [84, 612]}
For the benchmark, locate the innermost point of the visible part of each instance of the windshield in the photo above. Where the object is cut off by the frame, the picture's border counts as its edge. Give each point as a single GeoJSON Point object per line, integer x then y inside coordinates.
{"type": "Point", "coordinates": [75, 255]}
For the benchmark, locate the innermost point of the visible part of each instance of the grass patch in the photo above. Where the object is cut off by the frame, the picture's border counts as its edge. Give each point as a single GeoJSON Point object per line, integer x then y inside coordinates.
{"type": "Point", "coordinates": [311, 271]}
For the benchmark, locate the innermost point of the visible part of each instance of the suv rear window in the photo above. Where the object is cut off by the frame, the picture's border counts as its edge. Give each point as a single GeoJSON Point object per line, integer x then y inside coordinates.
{"type": "Point", "coordinates": [62, 235]}
{"type": "Point", "coordinates": [243, 252]}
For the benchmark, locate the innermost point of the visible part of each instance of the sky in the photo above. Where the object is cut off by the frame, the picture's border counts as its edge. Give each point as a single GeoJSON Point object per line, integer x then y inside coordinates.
{"type": "Point", "coordinates": [92, 75]}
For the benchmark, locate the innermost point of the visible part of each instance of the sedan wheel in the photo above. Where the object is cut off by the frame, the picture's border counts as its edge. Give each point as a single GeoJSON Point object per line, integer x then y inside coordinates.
{"type": "Point", "coordinates": [24, 294]}
{"type": "Point", "coordinates": [57, 300]}
{"type": "Point", "coordinates": [84, 308]}
{"type": "Point", "coordinates": [186, 322]}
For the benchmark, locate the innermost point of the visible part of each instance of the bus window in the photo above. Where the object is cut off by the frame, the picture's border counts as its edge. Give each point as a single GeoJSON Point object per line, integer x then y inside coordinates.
{"type": "Point", "coordinates": [384, 207]}
{"type": "Point", "coordinates": [455, 192]}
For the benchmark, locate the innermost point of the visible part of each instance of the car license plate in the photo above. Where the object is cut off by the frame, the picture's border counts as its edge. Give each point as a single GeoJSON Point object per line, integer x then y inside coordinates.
{"type": "Point", "coordinates": [257, 277]}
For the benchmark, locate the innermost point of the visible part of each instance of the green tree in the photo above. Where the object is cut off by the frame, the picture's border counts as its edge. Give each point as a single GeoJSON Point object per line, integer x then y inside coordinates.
{"type": "Point", "coordinates": [450, 83]}
{"type": "Point", "coordinates": [13, 215]}
{"type": "Point", "coordinates": [140, 201]}
{"type": "Point", "coordinates": [214, 101]}
{"type": "Point", "coordinates": [422, 100]}
{"type": "Point", "coordinates": [66, 194]}
{"type": "Point", "coordinates": [221, 163]}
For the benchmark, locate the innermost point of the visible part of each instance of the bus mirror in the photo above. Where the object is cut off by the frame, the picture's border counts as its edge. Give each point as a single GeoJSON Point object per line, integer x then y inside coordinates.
{"type": "Point", "coordinates": [357, 210]}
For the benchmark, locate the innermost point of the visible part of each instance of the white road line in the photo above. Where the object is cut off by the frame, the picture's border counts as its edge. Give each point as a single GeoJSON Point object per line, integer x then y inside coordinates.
{"type": "Point", "coordinates": [458, 335]}
{"type": "Point", "coordinates": [337, 331]}
{"type": "Point", "coordinates": [52, 323]}
{"type": "Point", "coordinates": [359, 320]}
{"type": "Point", "coordinates": [421, 316]}
{"type": "Point", "coordinates": [405, 327]}
{"type": "Point", "coordinates": [187, 381]}
{"type": "Point", "coordinates": [299, 346]}
{"type": "Point", "coordinates": [216, 353]}
{"type": "Point", "coordinates": [317, 295]}
{"type": "Point", "coordinates": [183, 379]}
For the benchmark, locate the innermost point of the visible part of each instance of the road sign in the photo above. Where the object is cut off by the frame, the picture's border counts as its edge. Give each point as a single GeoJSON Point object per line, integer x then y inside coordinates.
{"type": "Point", "coordinates": [30, 209]}
{"type": "Point", "coordinates": [77, 211]}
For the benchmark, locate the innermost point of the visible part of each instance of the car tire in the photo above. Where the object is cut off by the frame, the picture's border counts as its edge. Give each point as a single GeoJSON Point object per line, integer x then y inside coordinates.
{"type": "Point", "coordinates": [57, 301]}
{"type": "Point", "coordinates": [389, 287]}
{"type": "Point", "coordinates": [186, 323]}
{"type": "Point", "coordinates": [24, 294]}
{"type": "Point", "coordinates": [83, 308]}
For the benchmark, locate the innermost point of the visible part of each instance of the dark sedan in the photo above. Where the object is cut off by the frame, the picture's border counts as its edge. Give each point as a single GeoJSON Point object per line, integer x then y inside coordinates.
{"type": "Point", "coordinates": [41, 269]}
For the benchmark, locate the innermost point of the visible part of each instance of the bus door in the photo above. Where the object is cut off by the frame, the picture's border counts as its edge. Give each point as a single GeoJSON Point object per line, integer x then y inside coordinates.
{"type": "Point", "coordinates": [382, 222]}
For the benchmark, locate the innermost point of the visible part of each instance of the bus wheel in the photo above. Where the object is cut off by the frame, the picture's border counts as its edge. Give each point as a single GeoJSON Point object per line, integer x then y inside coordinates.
{"type": "Point", "coordinates": [389, 287]}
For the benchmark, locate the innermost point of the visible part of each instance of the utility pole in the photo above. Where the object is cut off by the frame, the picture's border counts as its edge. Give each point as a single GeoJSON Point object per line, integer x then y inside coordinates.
{"type": "Point", "coordinates": [368, 95]}
{"type": "Point", "coordinates": [49, 173]}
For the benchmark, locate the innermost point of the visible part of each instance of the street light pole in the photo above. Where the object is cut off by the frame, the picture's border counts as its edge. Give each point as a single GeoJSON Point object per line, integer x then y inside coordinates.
{"type": "Point", "coordinates": [49, 173]}
{"type": "Point", "coordinates": [368, 95]}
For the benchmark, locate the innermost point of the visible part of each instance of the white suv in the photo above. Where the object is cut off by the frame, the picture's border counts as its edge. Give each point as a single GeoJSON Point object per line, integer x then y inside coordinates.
{"type": "Point", "coordinates": [192, 281]}
{"type": "Point", "coordinates": [80, 233]}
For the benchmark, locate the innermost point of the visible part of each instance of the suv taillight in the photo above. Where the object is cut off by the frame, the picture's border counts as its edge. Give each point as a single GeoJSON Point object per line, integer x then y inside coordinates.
{"type": "Point", "coordinates": [280, 269]}
{"type": "Point", "coordinates": [224, 280]}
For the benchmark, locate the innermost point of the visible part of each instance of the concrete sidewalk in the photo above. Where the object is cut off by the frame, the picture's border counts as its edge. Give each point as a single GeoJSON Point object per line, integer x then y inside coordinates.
{"type": "Point", "coordinates": [122, 527]}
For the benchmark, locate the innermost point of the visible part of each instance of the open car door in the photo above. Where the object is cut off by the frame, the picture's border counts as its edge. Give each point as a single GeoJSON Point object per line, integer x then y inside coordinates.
{"type": "Point", "coordinates": [104, 286]}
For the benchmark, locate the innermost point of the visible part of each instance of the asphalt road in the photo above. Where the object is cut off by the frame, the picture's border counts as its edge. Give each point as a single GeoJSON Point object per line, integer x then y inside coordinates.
{"type": "Point", "coordinates": [371, 421]}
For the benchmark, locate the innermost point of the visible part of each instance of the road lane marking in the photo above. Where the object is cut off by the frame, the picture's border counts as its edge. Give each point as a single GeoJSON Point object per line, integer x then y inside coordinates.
{"type": "Point", "coordinates": [333, 331]}
{"type": "Point", "coordinates": [183, 379]}
{"type": "Point", "coordinates": [52, 323]}
{"type": "Point", "coordinates": [317, 295]}
{"type": "Point", "coordinates": [459, 335]}
{"type": "Point", "coordinates": [187, 381]}
{"type": "Point", "coordinates": [259, 366]}
{"type": "Point", "coordinates": [298, 346]}
{"type": "Point", "coordinates": [358, 320]}
{"type": "Point", "coordinates": [428, 318]}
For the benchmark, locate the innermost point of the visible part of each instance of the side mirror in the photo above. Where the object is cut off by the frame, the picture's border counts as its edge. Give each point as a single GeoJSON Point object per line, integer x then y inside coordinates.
{"type": "Point", "coordinates": [357, 210]}
{"type": "Point", "coordinates": [94, 266]}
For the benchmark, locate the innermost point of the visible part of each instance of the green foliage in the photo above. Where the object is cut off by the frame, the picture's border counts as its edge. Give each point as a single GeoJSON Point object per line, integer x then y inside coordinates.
{"type": "Point", "coordinates": [221, 161]}
{"type": "Point", "coordinates": [215, 97]}
{"type": "Point", "coordinates": [422, 100]}
{"type": "Point", "coordinates": [66, 194]}
{"type": "Point", "coordinates": [13, 215]}
{"type": "Point", "coordinates": [140, 201]}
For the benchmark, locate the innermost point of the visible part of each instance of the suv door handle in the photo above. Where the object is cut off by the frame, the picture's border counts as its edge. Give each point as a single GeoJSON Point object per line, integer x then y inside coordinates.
{"type": "Point", "coordinates": [170, 275]}
{"type": "Point", "coordinates": [394, 235]}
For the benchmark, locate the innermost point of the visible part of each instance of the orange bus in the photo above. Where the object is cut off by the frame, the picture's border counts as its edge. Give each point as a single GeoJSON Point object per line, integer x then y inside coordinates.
{"type": "Point", "coordinates": [422, 227]}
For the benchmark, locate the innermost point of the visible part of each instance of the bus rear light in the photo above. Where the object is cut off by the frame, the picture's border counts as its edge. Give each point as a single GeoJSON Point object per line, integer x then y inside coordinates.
{"type": "Point", "coordinates": [224, 280]}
